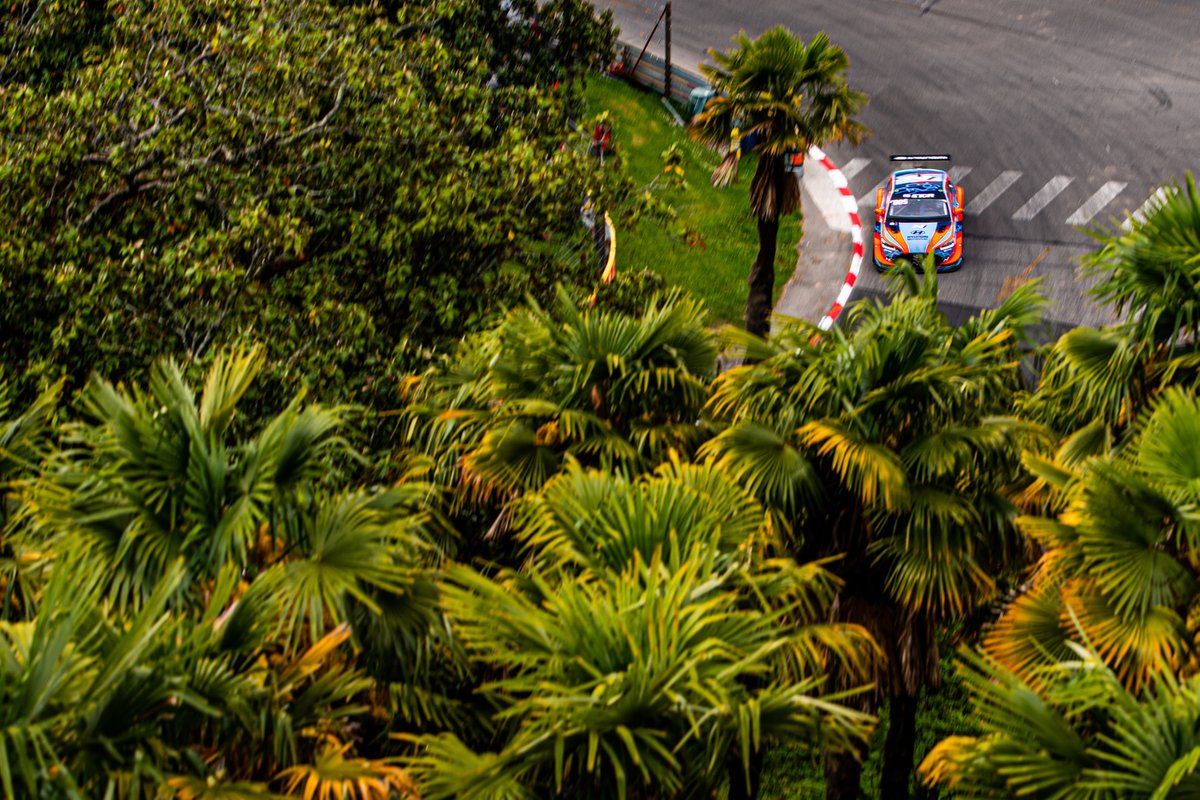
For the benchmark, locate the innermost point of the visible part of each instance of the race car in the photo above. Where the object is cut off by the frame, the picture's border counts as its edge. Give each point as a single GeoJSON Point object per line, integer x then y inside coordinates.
{"type": "Point", "coordinates": [917, 212]}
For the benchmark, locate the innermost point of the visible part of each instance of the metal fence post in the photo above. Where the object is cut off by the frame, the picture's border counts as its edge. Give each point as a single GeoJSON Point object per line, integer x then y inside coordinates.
{"type": "Point", "coordinates": [667, 70]}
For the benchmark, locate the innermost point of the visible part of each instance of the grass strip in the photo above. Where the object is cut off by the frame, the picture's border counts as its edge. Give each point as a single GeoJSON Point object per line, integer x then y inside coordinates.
{"type": "Point", "coordinates": [715, 269]}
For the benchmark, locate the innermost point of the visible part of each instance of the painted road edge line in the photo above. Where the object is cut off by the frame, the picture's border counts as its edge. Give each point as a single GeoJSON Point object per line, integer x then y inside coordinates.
{"type": "Point", "coordinates": [850, 206]}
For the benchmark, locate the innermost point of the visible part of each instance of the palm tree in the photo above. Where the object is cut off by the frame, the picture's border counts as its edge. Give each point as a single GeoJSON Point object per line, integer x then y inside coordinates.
{"type": "Point", "coordinates": [1118, 551]}
{"type": "Point", "coordinates": [95, 703]}
{"type": "Point", "coordinates": [1112, 513]}
{"type": "Point", "coordinates": [196, 581]}
{"type": "Point", "coordinates": [650, 648]}
{"type": "Point", "coordinates": [24, 439]}
{"type": "Point", "coordinates": [544, 387]}
{"type": "Point", "coordinates": [1109, 504]}
{"type": "Point", "coordinates": [787, 95]}
{"type": "Point", "coordinates": [1073, 732]}
{"type": "Point", "coordinates": [888, 444]}
{"type": "Point", "coordinates": [1149, 271]}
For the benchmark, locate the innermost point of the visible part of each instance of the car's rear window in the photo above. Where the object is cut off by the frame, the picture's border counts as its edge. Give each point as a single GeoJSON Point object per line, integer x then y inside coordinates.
{"type": "Point", "coordinates": [917, 208]}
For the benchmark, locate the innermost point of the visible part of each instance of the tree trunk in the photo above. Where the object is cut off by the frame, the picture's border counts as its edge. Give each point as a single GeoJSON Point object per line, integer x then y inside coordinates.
{"type": "Point", "coordinates": [762, 279]}
{"type": "Point", "coordinates": [898, 748]}
{"type": "Point", "coordinates": [843, 775]}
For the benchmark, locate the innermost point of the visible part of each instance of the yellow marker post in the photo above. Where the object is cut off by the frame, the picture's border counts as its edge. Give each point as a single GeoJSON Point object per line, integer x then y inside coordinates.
{"type": "Point", "coordinates": [610, 267]}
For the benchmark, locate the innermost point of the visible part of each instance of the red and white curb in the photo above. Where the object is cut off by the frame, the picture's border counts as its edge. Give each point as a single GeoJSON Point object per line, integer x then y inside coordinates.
{"type": "Point", "coordinates": [850, 207]}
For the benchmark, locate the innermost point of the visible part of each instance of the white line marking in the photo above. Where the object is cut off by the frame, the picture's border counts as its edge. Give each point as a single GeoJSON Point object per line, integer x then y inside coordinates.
{"type": "Point", "coordinates": [1043, 197]}
{"type": "Point", "coordinates": [958, 173]}
{"type": "Point", "coordinates": [993, 190]}
{"type": "Point", "coordinates": [868, 199]}
{"type": "Point", "coordinates": [1103, 196]}
{"type": "Point", "coordinates": [854, 166]}
{"type": "Point", "coordinates": [1157, 198]}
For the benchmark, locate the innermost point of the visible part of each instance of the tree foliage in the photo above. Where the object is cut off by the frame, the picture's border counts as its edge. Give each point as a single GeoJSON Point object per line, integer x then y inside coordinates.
{"type": "Point", "coordinates": [1076, 733]}
{"type": "Point", "coordinates": [890, 444]}
{"type": "Point", "coordinates": [1086, 684]}
{"type": "Point", "coordinates": [1149, 272]}
{"type": "Point", "coordinates": [648, 650]}
{"type": "Point", "coordinates": [544, 388]}
{"type": "Point", "coordinates": [189, 594]}
{"type": "Point", "coordinates": [347, 183]}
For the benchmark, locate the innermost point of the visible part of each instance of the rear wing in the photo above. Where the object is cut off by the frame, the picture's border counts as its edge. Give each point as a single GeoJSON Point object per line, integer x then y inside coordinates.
{"type": "Point", "coordinates": [921, 157]}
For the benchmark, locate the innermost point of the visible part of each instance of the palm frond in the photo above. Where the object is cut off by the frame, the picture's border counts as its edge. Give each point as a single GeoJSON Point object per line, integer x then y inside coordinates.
{"type": "Point", "coordinates": [870, 471]}
{"type": "Point", "coordinates": [1150, 272]}
{"type": "Point", "coordinates": [334, 776]}
{"type": "Point", "coordinates": [774, 469]}
{"type": "Point", "coordinates": [229, 377]}
{"type": "Point", "coordinates": [1030, 634]}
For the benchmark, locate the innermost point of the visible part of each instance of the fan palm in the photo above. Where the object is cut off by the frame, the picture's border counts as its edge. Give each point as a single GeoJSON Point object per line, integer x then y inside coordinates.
{"type": "Point", "coordinates": [605, 388]}
{"type": "Point", "coordinates": [198, 579]}
{"type": "Point", "coordinates": [1119, 545]}
{"type": "Point", "coordinates": [99, 704]}
{"type": "Point", "coordinates": [1112, 511]}
{"type": "Point", "coordinates": [1149, 272]}
{"type": "Point", "coordinates": [647, 650]}
{"type": "Point", "coordinates": [161, 474]}
{"type": "Point", "coordinates": [1075, 733]}
{"type": "Point", "coordinates": [23, 443]}
{"type": "Point", "coordinates": [786, 95]}
{"type": "Point", "coordinates": [888, 443]}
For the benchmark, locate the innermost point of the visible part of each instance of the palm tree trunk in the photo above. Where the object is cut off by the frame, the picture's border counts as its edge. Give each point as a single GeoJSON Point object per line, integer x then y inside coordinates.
{"type": "Point", "coordinates": [843, 774]}
{"type": "Point", "coordinates": [762, 279]}
{"type": "Point", "coordinates": [898, 748]}
{"type": "Point", "coordinates": [843, 771]}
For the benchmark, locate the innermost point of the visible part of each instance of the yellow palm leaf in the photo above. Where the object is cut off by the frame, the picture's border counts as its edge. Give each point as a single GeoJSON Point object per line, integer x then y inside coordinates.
{"type": "Point", "coordinates": [333, 776]}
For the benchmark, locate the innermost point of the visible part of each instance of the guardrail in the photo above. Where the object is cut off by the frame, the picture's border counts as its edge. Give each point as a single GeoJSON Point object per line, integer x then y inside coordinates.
{"type": "Point", "coordinates": [651, 72]}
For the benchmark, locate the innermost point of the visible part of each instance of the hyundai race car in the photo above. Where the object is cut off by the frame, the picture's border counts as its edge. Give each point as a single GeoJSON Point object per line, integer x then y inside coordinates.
{"type": "Point", "coordinates": [918, 212]}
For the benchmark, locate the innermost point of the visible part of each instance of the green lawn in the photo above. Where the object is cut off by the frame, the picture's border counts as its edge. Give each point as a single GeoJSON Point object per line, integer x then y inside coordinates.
{"type": "Point", "coordinates": [715, 270]}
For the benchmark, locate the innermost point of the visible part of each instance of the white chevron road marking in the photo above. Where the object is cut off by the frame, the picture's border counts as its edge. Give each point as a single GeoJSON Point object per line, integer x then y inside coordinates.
{"type": "Point", "coordinates": [992, 191]}
{"type": "Point", "coordinates": [1157, 198]}
{"type": "Point", "coordinates": [1044, 195]}
{"type": "Point", "coordinates": [1004, 181]}
{"type": "Point", "coordinates": [868, 199]}
{"type": "Point", "coordinates": [854, 166]}
{"type": "Point", "coordinates": [1103, 196]}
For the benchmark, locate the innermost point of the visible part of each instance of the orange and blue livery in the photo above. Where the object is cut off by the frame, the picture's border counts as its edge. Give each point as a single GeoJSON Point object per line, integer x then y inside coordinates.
{"type": "Point", "coordinates": [919, 212]}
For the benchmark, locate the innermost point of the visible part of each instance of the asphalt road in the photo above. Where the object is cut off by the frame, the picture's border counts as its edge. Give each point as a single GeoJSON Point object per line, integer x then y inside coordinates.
{"type": "Point", "coordinates": [1059, 115]}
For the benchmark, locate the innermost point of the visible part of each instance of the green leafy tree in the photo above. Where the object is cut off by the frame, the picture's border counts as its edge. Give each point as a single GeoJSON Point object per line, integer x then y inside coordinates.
{"type": "Point", "coordinates": [788, 95]}
{"type": "Point", "coordinates": [888, 445]}
{"type": "Point", "coordinates": [335, 180]}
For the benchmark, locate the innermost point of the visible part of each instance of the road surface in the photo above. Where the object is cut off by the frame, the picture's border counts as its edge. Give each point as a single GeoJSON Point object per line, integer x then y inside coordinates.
{"type": "Point", "coordinates": [1059, 116]}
